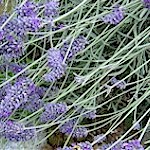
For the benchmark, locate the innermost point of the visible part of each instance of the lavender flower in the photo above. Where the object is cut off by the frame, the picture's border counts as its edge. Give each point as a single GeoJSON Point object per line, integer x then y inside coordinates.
{"type": "Point", "coordinates": [3, 91]}
{"type": "Point", "coordinates": [116, 147]}
{"type": "Point", "coordinates": [14, 28]}
{"type": "Point", "coordinates": [99, 138]}
{"type": "Point", "coordinates": [146, 3]}
{"type": "Point", "coordinates": [78, 132]}
{"type": "Point", "coordinates": [28, 9]}
{"type": "Point", "coordinates": [13, 67]}
{"type": "Point", "coordinates": [121, 85]}
{"type": "Point", "coordinates": [133, 144]}
{"type": "Point", "coordinates": [89, 115]}
{"type": "Point", "coordinates": [15, 96]}
{"type": "Point", "coordinates": [3, 18]}
{"type": "Point", "coordinates": [43, 90]}
{"type": "Point", "coordinates": [51, 9]}
{"type": "Point", "coordinates": [55, 62]}
{"type": "Point", "coordinates": [55, 59]}
{"type": "Point", "coordinates": [13, 35]}
{"type": "Point", "coordinates": [30, 24]}
{"type": "Point", "coordinates": [33, 104]}
{"type": "Point", "coordinates": [15, 131]}
{"type": "Point", "coordinates": [52, 111]}
{"type": "Point", "coordinates": [115, 17]}
{"type": "Point", "coordinates": [11, 48]}
{"type": "Point", "coordinates": [78, 44]}
{"type": "Point", "coordinates": [53, 75]}
{"type": "Point", "coordinates": [11, 43]}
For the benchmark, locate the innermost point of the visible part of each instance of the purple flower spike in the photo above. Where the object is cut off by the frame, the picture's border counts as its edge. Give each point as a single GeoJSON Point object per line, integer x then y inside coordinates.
{"type": "Point", "coordinates": [51, 9]}
{"type": "Point", "coordinates": [3, 91]}
{"type": "Point", "coordinates": [12, 67]}
{"type": "Point", "coordinates": [89, 115]}
{"type": "Point", "coordinates": [30, 24]}
{"type": "Point", "coordinates": [78, 45]}
{"type": "Point", "coordinates": [121, 85]}
{"type": "Point", "coordinates": [55, 59]}
{"type": "Point", "coordinates": [78, 132]}
{"type": "Point", "coordinates": [146, 3]}
{"type": "Point", "coordinates": [28, 9]}
{"type": "Point", "coordinates": [54, 74]}
{"type": "Point", "coordinates": [33, 104]}
{"type": "Point", "coordinates": [15, 131]}
{"type": "Point", "coordinates": [15, 96]}
{"type": "Point", "coordinates": [16, 68]}
{"type": "Point", "coordinates": [52, 111]}
{"type": "Point", "coordinates": [55, 62]}
{"type": "Point", "coordinates": [115, 17]}
{"type": "Point", "coordinates": [12, 48]}
{"type": "Point", "coordinates": [133, 144]}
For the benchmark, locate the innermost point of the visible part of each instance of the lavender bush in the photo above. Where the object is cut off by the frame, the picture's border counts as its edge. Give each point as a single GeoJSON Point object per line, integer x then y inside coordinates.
{"type": "Point", "coordinates": [77, 71]}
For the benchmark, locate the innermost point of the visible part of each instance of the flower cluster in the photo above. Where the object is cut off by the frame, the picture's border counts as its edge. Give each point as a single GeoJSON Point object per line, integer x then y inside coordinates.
{"type": "Point", "coordinates": [45, 90]}
{"type": "Point", "coordinates": [55, 62]}
{"type": "Point", "coordinates": [146, 3]}
{"type": "Point", "coordinates": [121, 85]}
{"type": "Point", "coordinates": [77, 132]}
{"type": "Point", "coordinates": [133, 144]}
{"type": "Point", "coordinates": [28, 9]}
{"type": "Point", "coordinates": [27, 16]}
{"type": "Point", "coordinates": [11, 47]}
{"type": "Point", "coordinates": [3, 91]}
{"type": "Point", "coordinates": [77, 45]}
{"type": "Point", "coordinates": [14, 33]}
{"type": "Point", "coordinates": [130, 145]}
{"type": "Point", "coordinates": [88, 115]}
{"type": "Point", "coordinates": [33, 104]}
{"type": "Point", "coordinates": [12, 67]}
{"type": "Point", "coordinates": [11, 42]}
{"type": "Point", "coordinates": [52, 111]}
{"type": "Point", "coordinates": [15, 131]}
{"type": "Point", "coordinates": [56, 58]}
{"type": "Point", "coordinates": [51, 9]}
{"type": "Point", "coordinates": [115, 17]}
{"type": "Point", "coordinates": [16, 95]}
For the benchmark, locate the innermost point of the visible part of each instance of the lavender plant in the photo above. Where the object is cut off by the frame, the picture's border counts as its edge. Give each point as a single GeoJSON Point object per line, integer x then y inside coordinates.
{"type": "Point", "coordinates": [15, 132]}
{"type": "Point", "coordinates": [94, 40]}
